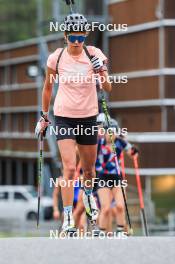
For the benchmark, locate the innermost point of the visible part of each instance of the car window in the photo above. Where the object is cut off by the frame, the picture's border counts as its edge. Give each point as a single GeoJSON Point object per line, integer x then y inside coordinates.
{"type": "Point", "coordinates": [33, 193]}
{"type": "Point", "coordinates": [19, 196]}
{"type": "Point", "coordinates": [4, 195]}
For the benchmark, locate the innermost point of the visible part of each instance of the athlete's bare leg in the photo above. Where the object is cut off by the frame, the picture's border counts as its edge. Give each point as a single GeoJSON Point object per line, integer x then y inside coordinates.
{"type": "Point", "coordinates": [109, 224]}
{"type": "Point", "coordinates": [79, 210]}
{"type": "Point", "coordinates": [82, 222]}
{"type": "Point", "coordinates": [67, 149]}
{"type": "Point", "coordinates": [120, 206]}
{"type": "Point", "coordinates": [105, 202]}
{"type": "Point", "coordinates": [88, 154]}
{"type": "Point", "coordinates": [110, 218]}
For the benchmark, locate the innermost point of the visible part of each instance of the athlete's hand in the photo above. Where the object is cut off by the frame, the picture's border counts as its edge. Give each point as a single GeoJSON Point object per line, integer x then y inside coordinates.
{"type": "Point", "coordinates": [97, 64]}
{"type": "Point", "coordinates": [42, 125]}
{"type": "Point", "coordinates": [56, 214]}
{"type": "Point", "coordinates": [134, 151]}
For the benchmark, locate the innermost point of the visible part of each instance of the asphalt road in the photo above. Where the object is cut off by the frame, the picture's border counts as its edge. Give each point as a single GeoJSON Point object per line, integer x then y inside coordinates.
{"type": "Point", "coordinates": [133, 250]}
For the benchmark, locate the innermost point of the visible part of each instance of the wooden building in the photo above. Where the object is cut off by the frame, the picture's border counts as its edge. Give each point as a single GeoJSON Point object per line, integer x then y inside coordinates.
{"type": "Point", "coordinates": [145, 105]}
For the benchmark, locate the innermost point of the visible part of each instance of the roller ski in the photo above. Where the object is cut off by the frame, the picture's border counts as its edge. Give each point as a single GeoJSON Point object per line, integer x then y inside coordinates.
{"type": "Point", "coordinates": [68, 229]}
{"type": "Point", "coordinates": [91, 213]}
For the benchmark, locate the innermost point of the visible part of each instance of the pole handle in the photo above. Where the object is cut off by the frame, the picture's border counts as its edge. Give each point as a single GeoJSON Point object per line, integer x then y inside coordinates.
{"type": "Point", "coordinates": [69, 2]}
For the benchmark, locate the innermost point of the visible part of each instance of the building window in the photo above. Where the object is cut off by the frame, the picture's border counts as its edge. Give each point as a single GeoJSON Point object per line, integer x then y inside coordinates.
{"type": "Point", "coordinates": [6, 75]}
{"type": "Point", "coordinates": [2, 75]}
{"type": "Point", "coordinates": [13, 74]}
{"type": "Point", "coordinates": [14, 173]}
{"type": "Point", "coordinates": [26, 122]}
{"type": "Point", "coordinates": [4, 172]}
{"type": "Point", "coordinates": [3, 122]}
{"type": "Point", "coordinates": [35, 173]}
{"type": "Point", "coordinates": [24, 173]}
{"type": "Point", "coordinates": [14, 122]}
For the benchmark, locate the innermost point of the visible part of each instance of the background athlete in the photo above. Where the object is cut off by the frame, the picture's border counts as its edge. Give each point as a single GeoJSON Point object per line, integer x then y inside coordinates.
{"type": "Point", "coordinates": [108, 180]}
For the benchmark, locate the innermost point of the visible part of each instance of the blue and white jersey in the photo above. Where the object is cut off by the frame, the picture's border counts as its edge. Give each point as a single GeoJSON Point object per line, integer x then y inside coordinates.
{"type": "Point", "coordinates": [105, 163]}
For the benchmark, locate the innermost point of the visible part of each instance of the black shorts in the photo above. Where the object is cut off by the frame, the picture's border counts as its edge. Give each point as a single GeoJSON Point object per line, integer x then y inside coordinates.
{"type": "Point", "coordinates": [83, 130]}
{"type": "Point", "coordinates": [108, 181]}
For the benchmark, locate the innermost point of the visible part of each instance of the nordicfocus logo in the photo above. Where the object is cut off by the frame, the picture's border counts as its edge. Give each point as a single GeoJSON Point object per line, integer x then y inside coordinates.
{"type": "Point", "coordinates": [94, 26]}
{"type": "Point", "coordinates": [81, 130]}
{"type": "Point", "coordinates": [60, 182]}
{"type": "Point", "coordinates": [56, 234]}
{"type": "Point", "coordinates": [81, 78]}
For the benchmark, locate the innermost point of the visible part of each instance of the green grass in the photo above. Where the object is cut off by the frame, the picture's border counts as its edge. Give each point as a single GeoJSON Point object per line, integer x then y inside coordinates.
{"type": "Point", "coordinates": [164, 203]}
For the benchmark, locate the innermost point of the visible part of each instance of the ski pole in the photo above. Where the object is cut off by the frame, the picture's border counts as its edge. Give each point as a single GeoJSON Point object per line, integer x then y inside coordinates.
{"type": "Point", "coordinates": [139, 187]}
{"type": "Point", "coordinates": [105, 110]}
{"type": "Point", "coordinates": [70, 3]}
{"type": "Point", "coordinates": [40, 172]}
{"type": "Point", "coordinates": [122, 165]}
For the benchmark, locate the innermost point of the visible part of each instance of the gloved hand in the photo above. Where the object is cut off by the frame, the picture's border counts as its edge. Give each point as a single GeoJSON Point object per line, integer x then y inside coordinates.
{"type": "Point", "coordinates": [42, 125]}
{"type": "Point", "coordinates": [97, 64]}
{"type": "Point", "coordinates": [134, 151]}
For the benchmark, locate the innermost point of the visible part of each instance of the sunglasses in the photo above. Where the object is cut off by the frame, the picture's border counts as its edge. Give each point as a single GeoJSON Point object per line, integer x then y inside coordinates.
{"type": "Point", "coordinates": [79, 38]}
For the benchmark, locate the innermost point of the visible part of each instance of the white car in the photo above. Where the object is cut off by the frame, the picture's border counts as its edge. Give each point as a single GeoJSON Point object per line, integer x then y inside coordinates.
{"type": "Point", "coordinates": [20, 202]}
